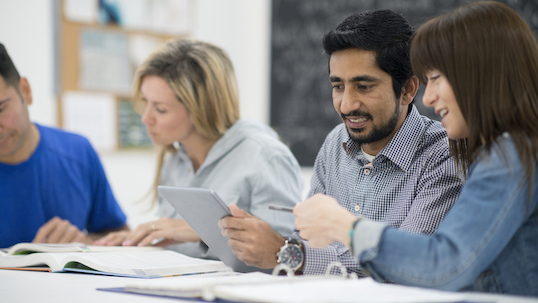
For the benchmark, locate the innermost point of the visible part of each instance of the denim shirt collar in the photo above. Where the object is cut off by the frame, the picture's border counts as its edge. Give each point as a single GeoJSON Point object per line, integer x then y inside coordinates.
{"type": "Point", "coordinates": [400, 149]}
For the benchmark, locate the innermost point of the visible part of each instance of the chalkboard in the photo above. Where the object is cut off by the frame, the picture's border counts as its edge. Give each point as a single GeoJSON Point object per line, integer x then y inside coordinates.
{"type": "Point", "coordinates": [301, 103]}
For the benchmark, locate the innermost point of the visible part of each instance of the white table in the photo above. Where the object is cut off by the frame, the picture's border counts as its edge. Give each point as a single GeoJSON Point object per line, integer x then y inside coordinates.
{"type": "Point", "coordinates": [27, 286]}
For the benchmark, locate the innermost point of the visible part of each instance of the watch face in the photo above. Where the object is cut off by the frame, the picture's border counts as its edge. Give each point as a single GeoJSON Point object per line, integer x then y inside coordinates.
{"type": "Point", "coordinates": [292, 256]}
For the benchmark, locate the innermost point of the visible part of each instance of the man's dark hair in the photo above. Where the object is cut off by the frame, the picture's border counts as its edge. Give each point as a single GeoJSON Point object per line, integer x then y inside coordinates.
{"type": "Point", "coordinates": [7, 69]}
{"type": "Point", "coordinates": [386, 33]}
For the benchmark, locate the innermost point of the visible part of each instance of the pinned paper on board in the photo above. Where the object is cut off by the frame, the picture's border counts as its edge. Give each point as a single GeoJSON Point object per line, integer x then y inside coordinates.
{"type": "Point", "coordinates": [162, 16]}
{"type": "Point", "coordinates": [132, 132]}
{"type": "Point", "coordinates": [104, 62]}
{"type": "Point", "coordinates": [92, 115]}
{"type": "Point", "coordinates": [82, 11]}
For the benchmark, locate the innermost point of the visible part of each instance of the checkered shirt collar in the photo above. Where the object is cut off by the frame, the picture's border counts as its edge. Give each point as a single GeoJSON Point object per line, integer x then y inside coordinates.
{"type": "Point", "coordinates": [401, 148]}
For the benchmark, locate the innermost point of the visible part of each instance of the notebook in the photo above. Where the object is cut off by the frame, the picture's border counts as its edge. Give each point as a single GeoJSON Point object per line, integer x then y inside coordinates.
{"type": "Point", "coordinates": [202, 209]}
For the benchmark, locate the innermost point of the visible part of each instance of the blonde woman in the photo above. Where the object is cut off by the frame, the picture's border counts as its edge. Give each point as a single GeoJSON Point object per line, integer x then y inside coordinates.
{"type": "Point", "coordinates": [188, 96]}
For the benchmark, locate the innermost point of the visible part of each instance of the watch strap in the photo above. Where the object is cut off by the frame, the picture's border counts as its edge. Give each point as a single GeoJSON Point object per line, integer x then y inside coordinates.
{"type": "Point", "coordinates": [292, 240]}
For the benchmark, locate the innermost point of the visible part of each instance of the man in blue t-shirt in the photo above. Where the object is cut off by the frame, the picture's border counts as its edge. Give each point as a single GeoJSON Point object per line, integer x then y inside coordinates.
{"type": "Point", "coordinates": [53, 188]}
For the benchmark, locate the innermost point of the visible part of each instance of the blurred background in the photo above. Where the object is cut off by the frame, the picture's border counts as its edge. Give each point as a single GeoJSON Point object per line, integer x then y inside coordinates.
{"type": "Point", "coordinates": [80, 55]}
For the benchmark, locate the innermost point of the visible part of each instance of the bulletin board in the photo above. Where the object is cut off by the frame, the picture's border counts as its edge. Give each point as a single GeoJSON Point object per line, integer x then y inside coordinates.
{"type": "Point", "coordinates": [98, 50]}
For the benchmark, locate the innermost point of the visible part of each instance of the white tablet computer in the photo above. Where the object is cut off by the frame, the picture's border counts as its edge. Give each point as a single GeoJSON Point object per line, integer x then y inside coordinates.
{"type": "Point", "coordinates": [202, 209]}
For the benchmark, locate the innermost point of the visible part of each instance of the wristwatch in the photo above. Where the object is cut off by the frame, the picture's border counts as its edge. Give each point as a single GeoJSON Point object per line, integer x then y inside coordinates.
{"type": "Point", "coordinates": [291, 254]}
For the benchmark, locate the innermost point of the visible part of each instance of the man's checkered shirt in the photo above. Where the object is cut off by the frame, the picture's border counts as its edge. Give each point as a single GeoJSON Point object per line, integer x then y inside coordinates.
{"type": "Point", "coordinates": [410, 184]}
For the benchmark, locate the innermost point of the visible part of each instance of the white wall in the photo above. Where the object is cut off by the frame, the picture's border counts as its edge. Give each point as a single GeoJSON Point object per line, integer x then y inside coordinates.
{"type": "Point", "coordinates": [241, 27]}
{"type": "Point", "coordinates": [26, 30]}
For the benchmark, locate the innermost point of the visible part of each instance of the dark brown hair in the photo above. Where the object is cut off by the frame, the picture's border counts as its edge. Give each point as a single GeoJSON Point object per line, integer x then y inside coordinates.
{"type": "Point", "coordinates": [384, 32]}
{"type": "Point", "coordinates": [8, 71]}
{"type": "Point", "coordinates": [490, 57]}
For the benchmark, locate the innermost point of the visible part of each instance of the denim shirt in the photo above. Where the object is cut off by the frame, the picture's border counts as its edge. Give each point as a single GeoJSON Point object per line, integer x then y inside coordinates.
{"type": "Point", "coordinates": [487, 242]}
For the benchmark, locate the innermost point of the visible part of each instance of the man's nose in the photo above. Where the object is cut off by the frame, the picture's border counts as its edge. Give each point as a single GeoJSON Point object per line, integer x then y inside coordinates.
{"type": "Point", "coordinates": [350, 102]}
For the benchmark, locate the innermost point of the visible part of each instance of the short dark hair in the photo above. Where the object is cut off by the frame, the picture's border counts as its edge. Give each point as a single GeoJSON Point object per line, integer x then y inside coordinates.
{"type": "Point", "coordinates": [386, 33]}
{"type": "Point", "coordinates": [8, 71]}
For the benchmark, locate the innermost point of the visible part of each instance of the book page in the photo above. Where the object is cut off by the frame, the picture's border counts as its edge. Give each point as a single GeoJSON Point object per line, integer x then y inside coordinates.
{"type": "Point", "coordinates": [332, 290]}
{"type": "Point", "coordinates": [197, 285]}
{"type": "Point", "coordinates": [51, 260]}
{"type": "Point", "coordinates": [28, 248]}
{"type": "Point", "coordinates": [145, 263]}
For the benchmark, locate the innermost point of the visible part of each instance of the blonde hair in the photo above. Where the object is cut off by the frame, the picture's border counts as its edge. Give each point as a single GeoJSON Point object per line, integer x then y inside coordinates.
{"type": "Point", "coordinates": [202, 78]}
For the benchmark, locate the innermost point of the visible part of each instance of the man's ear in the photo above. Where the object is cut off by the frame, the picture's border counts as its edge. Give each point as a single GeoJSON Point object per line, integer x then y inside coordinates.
{"type": "Point", "coordinates": [25, 90]}
{"type": "Point", "coordinates": [409, 90]}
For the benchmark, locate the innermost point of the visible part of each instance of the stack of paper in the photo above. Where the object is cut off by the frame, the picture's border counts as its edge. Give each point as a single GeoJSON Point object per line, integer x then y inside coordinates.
{"type": "Point", "coordinates": [260, 287]}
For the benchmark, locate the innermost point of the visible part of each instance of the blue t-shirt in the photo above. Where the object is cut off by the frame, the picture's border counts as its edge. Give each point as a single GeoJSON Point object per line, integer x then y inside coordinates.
{"type": "Point", "coordinates": [63, 178]}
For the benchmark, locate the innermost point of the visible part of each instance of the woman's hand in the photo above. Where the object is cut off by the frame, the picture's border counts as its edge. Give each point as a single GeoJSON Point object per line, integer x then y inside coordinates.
{"type": "Point", "coordinates": [321, 220]}
{"type": "Point", "coordinates": [162, 232]}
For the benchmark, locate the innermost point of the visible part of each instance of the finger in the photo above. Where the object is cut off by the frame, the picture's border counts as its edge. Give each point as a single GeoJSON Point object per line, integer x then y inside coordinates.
{"type": "Point", "coordinates": [224, 231]}
{"type": "Point", "coordinates": [236, 234]}
{"type": "Point", "coordinates": [232, 222]}
{"type": "Point", "coordinates": [117, 239]}
{"type": "Point", "coordinates": [152, 239]}
{"type": "Point", "coordinates": [238, 212]}
{"type": "Point", "coordinates": [81, 237]}
{"type": "Point", "coordinates": [163, 223]}
{"type": "Point", "coordinates": [222, 223]}
{"type": "Point", "coordinates": [70, 233]}
{"type": "Point", "coordinates": [138, 234]}
{"type": "Point", "coordinates": [104, 240]}
{"type": "Point", "coordinates": [45, 229]}
{"type": "Point", "coordinates": [236, 246]}
{"type": "Point", "coordinates": [244, 255]}
{"type": "Point", "coordinates": [113, 238]}
{"type": "Point", "coordinates": [56, 234]}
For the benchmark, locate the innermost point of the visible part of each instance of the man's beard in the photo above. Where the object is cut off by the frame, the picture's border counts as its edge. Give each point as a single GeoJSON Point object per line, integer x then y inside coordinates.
{"type": "Point", "coordinates": [378, 132]}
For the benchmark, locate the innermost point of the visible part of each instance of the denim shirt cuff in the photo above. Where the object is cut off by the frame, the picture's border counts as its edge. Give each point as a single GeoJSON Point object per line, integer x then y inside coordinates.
{"type": "Point", "coordinates": [366, 237]}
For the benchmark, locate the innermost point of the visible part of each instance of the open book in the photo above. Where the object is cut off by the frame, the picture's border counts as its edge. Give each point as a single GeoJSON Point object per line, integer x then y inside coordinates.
{"type": "Point", "coordinates": [260, 287]}
{"type": "Point", "coordinates": [25, 248]}
{"type": "Point", "coordinates": [142, 264]}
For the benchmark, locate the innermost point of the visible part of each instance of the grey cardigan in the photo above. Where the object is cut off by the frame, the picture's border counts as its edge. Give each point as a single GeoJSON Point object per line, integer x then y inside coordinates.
{"type": "Point", "coordinates": [248, 166]}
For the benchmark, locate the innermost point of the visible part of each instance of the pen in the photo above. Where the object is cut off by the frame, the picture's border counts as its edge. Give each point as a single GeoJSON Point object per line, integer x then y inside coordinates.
{"type": "Point", "coordinates": [281, 208]}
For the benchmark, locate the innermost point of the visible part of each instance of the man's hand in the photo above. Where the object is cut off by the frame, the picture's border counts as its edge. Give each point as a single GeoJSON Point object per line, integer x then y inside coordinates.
{"type": "Point", "coordinates": [252, 240]}
{"type": "Point", "coordinates": [162, 232]}
{"type": "Point", "coordinates": [321, 220]}
{"type": "Point", "coordinates": [57, 230]}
